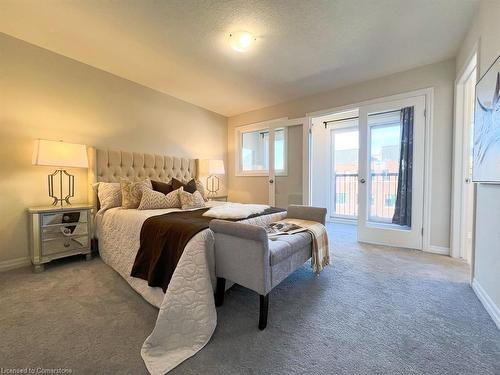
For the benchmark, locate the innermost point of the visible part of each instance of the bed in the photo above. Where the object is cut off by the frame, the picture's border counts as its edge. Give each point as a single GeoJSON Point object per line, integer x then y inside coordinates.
{"type": "Point", "coordinates": [187, 315]}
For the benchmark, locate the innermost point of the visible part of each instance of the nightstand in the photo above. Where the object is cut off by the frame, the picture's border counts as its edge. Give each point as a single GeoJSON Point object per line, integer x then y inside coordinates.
{"type": "Point", "coordinates": [220, 198]}
{"type": "Point", "coordinates": [57, 232]}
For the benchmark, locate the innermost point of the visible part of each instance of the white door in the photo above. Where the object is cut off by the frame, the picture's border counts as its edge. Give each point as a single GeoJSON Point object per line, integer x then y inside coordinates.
{"type": "Point", "coordinates": [379, 153]}
{"type": "Point", "coordinates": [288, 162]}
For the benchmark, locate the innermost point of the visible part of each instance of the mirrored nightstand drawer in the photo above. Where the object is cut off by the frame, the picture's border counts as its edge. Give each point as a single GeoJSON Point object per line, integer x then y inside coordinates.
{"type": "Point", "coordinates": [54, 246]}
{"type": "Point", "coordinates": [64, 217]}
{"type": "Point", "coordinates": [61, 231]}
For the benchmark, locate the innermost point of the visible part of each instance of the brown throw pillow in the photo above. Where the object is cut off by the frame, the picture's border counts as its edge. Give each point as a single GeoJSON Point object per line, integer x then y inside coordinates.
{"type": "Point", "coordinates": [190, 186]}
{"type": "Point", "coordinates": [162, 187]}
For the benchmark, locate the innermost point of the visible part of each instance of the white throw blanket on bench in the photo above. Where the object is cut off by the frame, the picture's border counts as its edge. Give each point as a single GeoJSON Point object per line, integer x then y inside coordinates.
{"type": "Point", "coordinates": [235, 210]}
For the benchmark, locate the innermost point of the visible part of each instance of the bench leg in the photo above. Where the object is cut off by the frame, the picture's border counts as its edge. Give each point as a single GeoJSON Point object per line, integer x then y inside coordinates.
{"type": "Point", "coordinates": [219, 291]}
{"type": "Point", "coordinates": [264, 307]}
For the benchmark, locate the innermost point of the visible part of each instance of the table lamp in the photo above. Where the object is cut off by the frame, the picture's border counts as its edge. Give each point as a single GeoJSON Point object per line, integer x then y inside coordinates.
{"type": "Point", "coordinates": [61, 155]}
{"type": "Point", "coordinates": [215, 167]}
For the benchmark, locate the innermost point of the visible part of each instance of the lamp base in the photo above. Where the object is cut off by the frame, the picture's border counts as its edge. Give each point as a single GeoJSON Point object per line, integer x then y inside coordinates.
{"type": "Point", "coordinates": [213, 185]}
{"type": "Point", "coordinates": [60, 199]}
{"type": "Point", "coordinates": [61, 202]}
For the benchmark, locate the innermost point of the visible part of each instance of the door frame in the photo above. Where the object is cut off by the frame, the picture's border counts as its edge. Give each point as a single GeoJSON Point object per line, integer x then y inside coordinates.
{"type": "Point", "coordinates": [429, 125]}
{"type": "Point", "coordinates": [457, 205]}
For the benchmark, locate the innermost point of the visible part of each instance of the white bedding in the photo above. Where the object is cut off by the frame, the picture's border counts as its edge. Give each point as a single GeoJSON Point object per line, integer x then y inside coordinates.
{"type": "Point", "coordinates": [187, 316]}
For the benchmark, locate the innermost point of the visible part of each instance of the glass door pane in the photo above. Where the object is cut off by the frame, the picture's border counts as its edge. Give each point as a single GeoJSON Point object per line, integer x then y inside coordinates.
{"type": "Point", "coordinates": [255, 151]}
{"type": "Point", "coordinates": [385, 141]}
{"type": "Point", "coordinates": [288, 163]}
{"type": "Point", "coordinates": [344, 194]}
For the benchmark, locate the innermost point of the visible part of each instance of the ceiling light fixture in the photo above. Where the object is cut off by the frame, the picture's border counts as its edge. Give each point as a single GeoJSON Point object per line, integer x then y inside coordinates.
{"type": "Point", "coordinates": [241, 40]}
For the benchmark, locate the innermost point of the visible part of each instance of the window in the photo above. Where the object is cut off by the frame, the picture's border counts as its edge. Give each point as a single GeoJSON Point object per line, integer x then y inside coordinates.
{"type": "Point", "coordinates": [390, 200]}
{"type": "Point", "coordinates": [340, 198]}
{"type": "Point", "coordinates": [254, 152]}
{"type": "Point", "coordinates": [384, 149]}
{"type": "Point", "coordinates": [279, 151]}
{"type": "Point", "coordinates": [344, 149]}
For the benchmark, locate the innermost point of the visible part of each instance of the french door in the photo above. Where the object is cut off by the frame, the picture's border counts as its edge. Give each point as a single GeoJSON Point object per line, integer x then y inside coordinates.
{"type": "Point", "coordinates": [380, 162]}
{"type": "Point", "coordinates": [288, 162]}
{"type": "Point", "coordinates": [274, 155]}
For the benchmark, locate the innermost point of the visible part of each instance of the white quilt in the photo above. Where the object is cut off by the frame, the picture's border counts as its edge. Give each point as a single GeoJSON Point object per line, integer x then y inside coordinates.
{"type": "Point", "coordinates": [187, 316]}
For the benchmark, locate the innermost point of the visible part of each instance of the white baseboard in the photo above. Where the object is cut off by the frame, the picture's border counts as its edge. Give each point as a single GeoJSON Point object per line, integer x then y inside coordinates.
{"type": "Point", "coordinates": [438, 250]}
{"type": "Point", "coordinates": [14, 263]}
{"type": "Point", "coordinates": [487, 302]}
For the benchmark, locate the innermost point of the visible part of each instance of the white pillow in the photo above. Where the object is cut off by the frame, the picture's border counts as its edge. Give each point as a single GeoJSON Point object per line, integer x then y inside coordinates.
{"type": "Point", "coordinates": [189, 200]}
{"type": "Point", "coordinates": [152, 200]}
{"type": "Point", "coordinates": [109, 194]}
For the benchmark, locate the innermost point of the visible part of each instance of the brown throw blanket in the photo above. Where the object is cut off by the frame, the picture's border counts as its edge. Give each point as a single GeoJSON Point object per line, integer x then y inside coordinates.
{"type": "Point", "coordinates": [163, 239]}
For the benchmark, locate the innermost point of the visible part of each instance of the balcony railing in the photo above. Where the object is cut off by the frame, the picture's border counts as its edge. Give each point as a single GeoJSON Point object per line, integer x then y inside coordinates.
{"type": "Point", "coordinates": [382, 198]}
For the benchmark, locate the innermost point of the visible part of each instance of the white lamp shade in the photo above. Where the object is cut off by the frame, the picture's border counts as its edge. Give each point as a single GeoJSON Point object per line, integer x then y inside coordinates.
{"type": "Point", "coordinates": [216, 167]}
{"type": "Point", "coordinates": [60, 154]}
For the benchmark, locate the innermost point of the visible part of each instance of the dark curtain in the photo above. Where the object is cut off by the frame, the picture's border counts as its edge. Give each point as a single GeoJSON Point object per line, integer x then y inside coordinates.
{"type": "Point", "coordinates": [402, 212]}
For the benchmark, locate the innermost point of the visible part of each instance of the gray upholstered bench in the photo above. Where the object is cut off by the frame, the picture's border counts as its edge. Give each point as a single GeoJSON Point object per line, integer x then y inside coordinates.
{"type": "Point", "coordinates": [245, 255]}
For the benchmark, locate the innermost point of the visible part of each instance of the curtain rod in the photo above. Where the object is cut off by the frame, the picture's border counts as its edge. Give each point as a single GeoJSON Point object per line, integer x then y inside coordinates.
{"type": "Point", "coordinates": [355, 117]}
{"type": "Point", "coordinates": [341, 119]}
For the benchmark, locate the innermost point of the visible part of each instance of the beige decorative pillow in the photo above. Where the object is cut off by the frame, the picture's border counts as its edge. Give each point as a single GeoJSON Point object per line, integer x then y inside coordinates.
{"type": "Point", "coordinates": [201, 189]}
{"type": "Point", "coordinates": [109, 194]}
{"type": "Point", "coordinates": [152, 200]}
{"type": "Point", "coordinates": [189, 200]}
{"type": "Point", "coordinates": [132, 192]}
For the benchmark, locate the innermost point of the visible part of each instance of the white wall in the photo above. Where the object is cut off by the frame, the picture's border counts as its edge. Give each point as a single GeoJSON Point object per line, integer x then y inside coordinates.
{"type": "Point", "coordinates": [46, 95]}
{"type": "Point", "coordinates": [440, 76]}
{"type": "Point", "coordinates": [485, 31]}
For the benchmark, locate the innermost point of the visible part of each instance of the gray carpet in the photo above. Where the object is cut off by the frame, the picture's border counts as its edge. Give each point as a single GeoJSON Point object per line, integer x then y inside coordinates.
{"type": "Point", "coordinates": [375, 311]}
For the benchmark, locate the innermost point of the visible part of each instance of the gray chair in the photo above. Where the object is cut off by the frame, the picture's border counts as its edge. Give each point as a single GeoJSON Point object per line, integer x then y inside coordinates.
{"type": "Point", "coordinates": [245, 255]}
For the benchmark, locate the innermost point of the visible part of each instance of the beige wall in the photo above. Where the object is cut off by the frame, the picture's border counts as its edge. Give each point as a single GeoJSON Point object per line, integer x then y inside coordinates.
{"type": "Point", "coordinates": [46, 95]}
{"type": "Point", "coordinates": [441, 76]}
{"type": "Point", "coordinates": [485, 31]}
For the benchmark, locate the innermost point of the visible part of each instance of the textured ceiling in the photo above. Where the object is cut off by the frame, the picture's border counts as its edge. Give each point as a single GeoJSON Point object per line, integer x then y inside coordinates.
{"type": "Point", "coordinates": [180, 47]}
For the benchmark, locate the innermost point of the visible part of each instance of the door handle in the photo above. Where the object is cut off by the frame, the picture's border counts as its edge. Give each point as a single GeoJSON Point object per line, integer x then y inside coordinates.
{"type": "Point", "coordinates": [271, 181]}
{"type": "Point", "coordinates": [362, 180]}
{"type": "Point", "coordinates": [467, 180]}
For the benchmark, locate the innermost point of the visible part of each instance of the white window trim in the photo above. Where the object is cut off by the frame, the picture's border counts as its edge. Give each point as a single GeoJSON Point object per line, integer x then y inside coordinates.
{"type": "Point", "coordinates": [262, 126]}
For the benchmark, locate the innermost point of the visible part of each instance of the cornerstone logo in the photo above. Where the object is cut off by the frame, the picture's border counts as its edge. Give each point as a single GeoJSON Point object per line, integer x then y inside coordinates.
{"type": "Point", "coordinates": [35, 370]}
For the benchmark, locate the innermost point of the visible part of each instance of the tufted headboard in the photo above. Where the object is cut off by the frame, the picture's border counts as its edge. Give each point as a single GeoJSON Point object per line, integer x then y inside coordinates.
{"type": "Point", "coordinates": [111, 166]}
